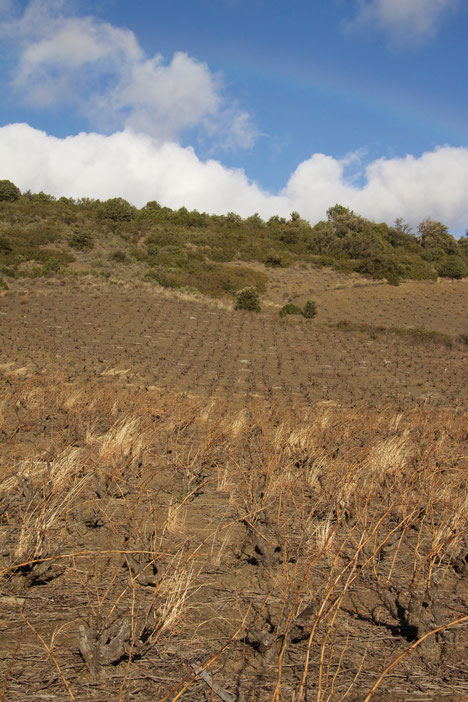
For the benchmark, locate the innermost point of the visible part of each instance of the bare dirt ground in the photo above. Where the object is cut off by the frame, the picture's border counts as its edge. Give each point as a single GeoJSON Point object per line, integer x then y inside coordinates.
{"type": "Point", "coordinates": [186, 345]}
{"type": "Point", "coordinates": [439, 305]}
{"type": "Point", "coordinates": [199, 503]}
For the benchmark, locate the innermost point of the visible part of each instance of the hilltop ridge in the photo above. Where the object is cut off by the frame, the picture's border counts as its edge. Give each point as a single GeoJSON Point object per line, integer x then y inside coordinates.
{"type": "Point", "coordinates": [209, 254]}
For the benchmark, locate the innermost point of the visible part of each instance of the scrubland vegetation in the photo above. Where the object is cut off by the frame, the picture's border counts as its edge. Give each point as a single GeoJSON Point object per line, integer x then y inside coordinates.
{"type": "Point", "coordinates": [196, 251]}
{"type": "Point", "coordinates": [201, 499]}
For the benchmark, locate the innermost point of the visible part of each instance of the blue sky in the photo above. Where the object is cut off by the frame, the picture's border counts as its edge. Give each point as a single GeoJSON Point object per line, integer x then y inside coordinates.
{"type": "Point", "coordinates": [244, 105]}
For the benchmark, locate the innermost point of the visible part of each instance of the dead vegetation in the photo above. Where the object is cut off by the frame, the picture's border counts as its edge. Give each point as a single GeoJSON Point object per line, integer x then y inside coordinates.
{"type": "Point", "coordinates": [160, 546]}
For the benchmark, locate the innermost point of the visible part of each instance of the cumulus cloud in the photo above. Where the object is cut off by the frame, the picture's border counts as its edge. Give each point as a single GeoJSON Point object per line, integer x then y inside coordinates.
{"type": "Point", "coordinates": [102, 71]}
{"type": "Point", "coordinates": [432, 185]}
{"type": "Point", "coordinates": [140, 168]}
{"type": "Point", "coordinates": [404, 20]}
{"type": "Point", "coordinates": [127, 164]}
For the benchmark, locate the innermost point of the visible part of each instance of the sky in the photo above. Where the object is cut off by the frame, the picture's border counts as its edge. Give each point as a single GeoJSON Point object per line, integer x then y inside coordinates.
{"type": "Point", "coordinates": [248, 106]}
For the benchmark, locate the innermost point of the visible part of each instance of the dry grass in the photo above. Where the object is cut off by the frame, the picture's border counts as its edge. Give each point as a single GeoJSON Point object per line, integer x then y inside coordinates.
{"type": "Point", "coordinates": [294, 553]}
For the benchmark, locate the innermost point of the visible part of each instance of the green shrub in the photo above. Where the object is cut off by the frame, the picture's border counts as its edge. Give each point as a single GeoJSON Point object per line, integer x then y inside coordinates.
{"type": "Point", "coordinates": [290, 236]}
{"type": "Point", "coordinates": [82, 241]}
{"type": "Point", "coordinates": [217, 280]}
{"type": "Point", "coordinates": [40, 198]}
{"type": "Point", "coordinates": [233, 218]}
{"type": "Point", "coordinates": [32, 271]}
{"type": "Point", "coordinates": [290, 308]}
{"type": "Point", "coordinates": [67, 201]}
{"type": "Point", "coordinates": [221, 255]}
{"type": "Point", "coordinates": [8, 191]}
{"type": "Point", "coordinates": [152, 205]}
{"type": "Point", "coordinates": [435, 235]}
{"type": "Point", "coordinates": [163, 277]}
{"type": "Point", "coordinates": [9, 271]}
{"type": "Point", "coordinates": [310, 309]}
{"type": "Point", "coordinates": [378, 267]}
{"type": "Point", "coordinates": [119, 256]}
{"type": "Point", "coordinates": [5, 245]}
{"type": "Point", "coordinates": [51, 265]}
{"type": "Point", "coordinates": [275, 259]}
{"type": "Point", "coordinates": [248, 299]}
{"type": "Point", "coordinates": [117, 209]}
{"type": "Point", "coordinates": [138, 254]}
{"type": "Point", "coordinates": [62, 257]}
{"type": "Point", "coordinates": [416, 268]}
{"type": "Point", "coordinates": [463, 245]}
{"type": "Point", "coordinates": [393, 278]}
{"type": "Point", "coordinates": [452, 267]}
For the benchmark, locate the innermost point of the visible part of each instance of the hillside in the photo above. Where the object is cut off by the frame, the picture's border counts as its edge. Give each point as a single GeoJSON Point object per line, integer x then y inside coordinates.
{"type": "Point", "coordinates": [207, 253]}
{"type": "Point", "coordinates": [199, 502]}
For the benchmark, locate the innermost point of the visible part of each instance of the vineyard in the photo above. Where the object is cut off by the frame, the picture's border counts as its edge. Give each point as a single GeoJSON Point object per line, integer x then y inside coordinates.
{"type": "Point", "coordinates": [204, 503]}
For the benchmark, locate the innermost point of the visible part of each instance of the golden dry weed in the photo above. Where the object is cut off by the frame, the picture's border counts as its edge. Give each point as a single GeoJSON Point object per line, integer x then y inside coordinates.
{"type": "Point", "coordinates": [302, 549]}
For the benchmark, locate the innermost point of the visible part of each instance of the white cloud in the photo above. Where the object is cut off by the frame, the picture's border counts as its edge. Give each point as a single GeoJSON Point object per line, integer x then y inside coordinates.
{"type": "Point", "coordinates": [130, 165]}
{"type": "Point", "coordinates": [140, 168]}
{"type": "Point", "coordinates": [102, 71]}
{"type": "Point", "coordinates": [157, 99]}
{"type": "Point", "coordinates": [240, 132]}
{"type": "Point", "coordinates": [433, 185]}
{"type": "Point", "coordinates": [404, 20]}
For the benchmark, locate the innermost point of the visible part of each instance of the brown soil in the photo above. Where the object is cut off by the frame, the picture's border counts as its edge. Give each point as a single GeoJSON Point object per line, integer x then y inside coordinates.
{"type": "Point", "coordinates": [186, 345]}
{"type": "Point", "coordinates": [441, 305]}
{"type": "Point", "coordinates": [280, 503]}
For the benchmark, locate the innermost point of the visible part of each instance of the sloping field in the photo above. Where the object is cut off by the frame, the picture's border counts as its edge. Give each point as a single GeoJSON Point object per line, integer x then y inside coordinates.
{"type": "Point", "coordinates": [438, 305]}
{"type": "Point", "coordinates": [205, 348]}
{"type": "Point", "coordinates": [200, 503]}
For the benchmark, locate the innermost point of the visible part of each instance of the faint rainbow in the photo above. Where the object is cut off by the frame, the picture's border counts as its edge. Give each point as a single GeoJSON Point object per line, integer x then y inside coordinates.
{"type": "Point", "coordinates": [315, 79]}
